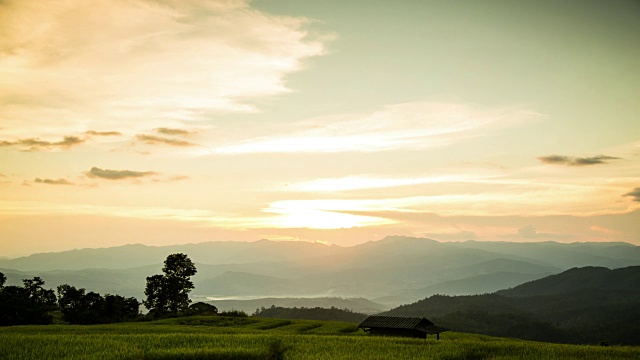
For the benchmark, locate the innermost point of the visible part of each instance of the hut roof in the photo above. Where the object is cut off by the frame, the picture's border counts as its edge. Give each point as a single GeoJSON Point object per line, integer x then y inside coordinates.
{"type": "Point", "coordinates": [395, 322]}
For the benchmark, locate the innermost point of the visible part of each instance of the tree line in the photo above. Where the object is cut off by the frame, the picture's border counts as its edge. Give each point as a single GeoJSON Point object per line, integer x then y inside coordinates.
{"type": "Point", "coordinates": [317, 313]}
{"type": "Point", "coordinates": [166, 295]}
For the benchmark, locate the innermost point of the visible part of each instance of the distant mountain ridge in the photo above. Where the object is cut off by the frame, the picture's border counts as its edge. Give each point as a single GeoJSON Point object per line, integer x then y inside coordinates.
{"type": "Point", "coordinates": [580, 279]}
{"type": "Point", "coordinates": [136, 255]}
{"type": "Point", "coordinates": [478, 284]}
{"type": "Point", "coordinates": [392, 271]}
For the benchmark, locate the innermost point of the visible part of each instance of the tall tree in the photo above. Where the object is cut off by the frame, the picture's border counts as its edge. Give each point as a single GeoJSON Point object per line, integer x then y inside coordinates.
{"type": "Point", "coordinates": [169, 293]}
{"type": "Point", "coordinates": [156, 300]}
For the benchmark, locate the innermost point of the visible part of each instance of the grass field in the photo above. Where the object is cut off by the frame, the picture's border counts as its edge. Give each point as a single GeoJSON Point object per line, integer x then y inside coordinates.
{"type": "Point", "coordinates": [203, 337]}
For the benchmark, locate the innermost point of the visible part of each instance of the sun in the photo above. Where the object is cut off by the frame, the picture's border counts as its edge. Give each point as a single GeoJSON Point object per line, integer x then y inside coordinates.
{"type": "Point", "coordinates": [324, 214]}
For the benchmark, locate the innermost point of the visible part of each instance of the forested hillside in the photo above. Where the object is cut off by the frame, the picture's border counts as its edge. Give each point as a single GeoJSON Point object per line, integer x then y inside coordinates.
{"type": "Point", "coordinates": [582, 305]}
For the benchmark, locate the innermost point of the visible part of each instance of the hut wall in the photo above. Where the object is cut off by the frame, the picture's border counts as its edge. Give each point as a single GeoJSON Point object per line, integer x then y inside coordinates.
{"type": "Point", "coordinates": [398, 332]}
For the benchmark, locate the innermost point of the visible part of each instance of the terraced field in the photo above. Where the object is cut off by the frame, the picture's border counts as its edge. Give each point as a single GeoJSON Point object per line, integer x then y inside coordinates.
{"type": "Point", "coordinates": [207, 337]}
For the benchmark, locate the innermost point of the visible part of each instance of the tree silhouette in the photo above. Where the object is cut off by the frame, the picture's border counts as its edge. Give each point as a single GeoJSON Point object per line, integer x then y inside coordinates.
{"type": "Point", "coordinates": [28, 304]}
{"type": "Point", "coordinates": [201, 308]}
{"type": "Point", "coordinates": [118, 308]}
{"type": "Point", "coordinates": [71, 303]}
{"type": "Point", "coordinates": [156, 300]}
{"type": "Point", "coordinates": [78, 307]}
{"type": "Point", "coordinates": [91, 308]}
{"type": "Point", "coordinates": [169, 293]}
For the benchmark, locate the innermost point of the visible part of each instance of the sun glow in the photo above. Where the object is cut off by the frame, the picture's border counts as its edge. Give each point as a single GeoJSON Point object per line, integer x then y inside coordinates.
{"type": "Point", "coordinates": [320, 215]}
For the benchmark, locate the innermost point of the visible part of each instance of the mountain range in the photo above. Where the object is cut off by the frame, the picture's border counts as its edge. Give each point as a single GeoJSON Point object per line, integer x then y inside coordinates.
{"type": "Point", "coordinates": [392, 271]}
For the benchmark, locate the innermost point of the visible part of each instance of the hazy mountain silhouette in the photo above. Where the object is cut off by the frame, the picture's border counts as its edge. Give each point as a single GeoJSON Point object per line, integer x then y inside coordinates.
{"type": "Point", "coordinates": [480, 284]}
{"type": "Point", "coordinates": [393, 271]}
{"type": "Point", "coordinates": [577, 279]}
{"type": "Point", "coordinates": [566, 255]}
{"type": "Point", "coordinates": [128, 256]}
{"type": "Point", "coordinates": [243, 283]}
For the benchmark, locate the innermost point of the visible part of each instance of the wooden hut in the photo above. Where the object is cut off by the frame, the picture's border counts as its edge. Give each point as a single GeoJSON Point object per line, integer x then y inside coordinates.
{"type": "Point", "coordinates": [416, 327]}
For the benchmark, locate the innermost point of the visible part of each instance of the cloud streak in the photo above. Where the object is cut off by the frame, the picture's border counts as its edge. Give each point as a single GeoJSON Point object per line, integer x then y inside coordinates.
{"type": "Point", "coordinates": [635, 194]}
{"type": "Point", "coordinates": [416, 125]}
{"type": "Point", "coordinates": [169, 131]}
{"type": "Point", "coordinates": [109, 174]}
{"type": "Point", "coordinates": [366, 182]}
{"type": "Point", "coordinates": [576, 161]}
{"type": "Point", "coordinates": [35, 144]}
{"type": "Point", "coordinates": [494, 198]}
{"type": "Point", "coordinates": [158, 140]}
{"type": "Point", "coordinates": [53, 181]}
{"type": "Point", "coordinates": [202, 216]}
{"type": "Point", "coordinates": [103, 133]}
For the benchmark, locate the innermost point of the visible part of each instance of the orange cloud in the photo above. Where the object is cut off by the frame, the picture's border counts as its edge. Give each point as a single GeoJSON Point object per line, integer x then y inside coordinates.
{"type": "Point", "coordinates": [109, 174]}
{"type": "Point", "coordinates": [35, 144]}
{"type": "Point", "coordinates": [53, 181]}
{"type": "Point", "coordinates": [157, 140]}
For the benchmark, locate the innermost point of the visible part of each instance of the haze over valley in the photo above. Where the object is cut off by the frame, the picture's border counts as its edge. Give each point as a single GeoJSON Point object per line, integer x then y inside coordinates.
{"type": "Point", "coordinates": [389, 272]}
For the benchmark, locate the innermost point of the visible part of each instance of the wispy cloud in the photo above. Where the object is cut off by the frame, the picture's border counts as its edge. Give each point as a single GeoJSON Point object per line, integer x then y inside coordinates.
{"type": "Point", "coordinates": [635, 194]}
{"type": "Point", "coordinates": [203, 216]}
{"type": "Point", "coordinates": [67, 142]}
{"type": "Point", "coordinates": [415, 125]}
{"type": "Point", "coordinates": [53, 181]}
{"type": "Point", "coordinates": [369, 182]}
{"type": "Point", "coordinates": [484, 197]}
{"type": "Point", "coordinates": [603, 230]}
{"type": "Point", "coordinates": [576, 161]}
{"type": "Point", "coordinates": [103, 133]}
{"type": "Point", "coordinates": [530, 232]}
{"type": "Point", "coordinates": [141, 64]}
{"type": "Point", "coordinates": [158, 140]}
{"type": "Point", "coordinates": [169, 131]}
{"type": "Point", "coordinates": [35, 144]}
{"type": "Point", "coordinates": [320, 214]}
{"type": "Point", "coordinates": [451, 236]}
{"type": "Point", "coordinates": [178, 178]}
{"type": "Point", "coordinates": [109, 174]}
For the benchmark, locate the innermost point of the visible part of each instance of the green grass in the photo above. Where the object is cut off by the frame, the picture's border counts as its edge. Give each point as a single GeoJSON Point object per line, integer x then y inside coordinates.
{"type": "Point", "coordinates": [204, 337]}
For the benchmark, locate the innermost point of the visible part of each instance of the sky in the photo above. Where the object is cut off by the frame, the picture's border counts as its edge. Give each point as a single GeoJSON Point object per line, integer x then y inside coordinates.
{"type": "Point", "coordinates": [179, 121]}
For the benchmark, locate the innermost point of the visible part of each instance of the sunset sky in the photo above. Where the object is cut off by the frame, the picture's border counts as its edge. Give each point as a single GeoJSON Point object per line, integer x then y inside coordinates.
{"type": "Point", "coordinates": [176, 121]}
